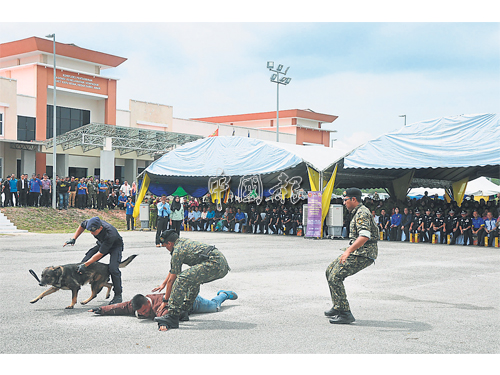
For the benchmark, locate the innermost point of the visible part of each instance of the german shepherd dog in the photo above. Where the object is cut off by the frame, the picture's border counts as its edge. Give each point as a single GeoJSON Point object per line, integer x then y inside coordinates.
{"type": "Point", "coordinates": [66, 277]}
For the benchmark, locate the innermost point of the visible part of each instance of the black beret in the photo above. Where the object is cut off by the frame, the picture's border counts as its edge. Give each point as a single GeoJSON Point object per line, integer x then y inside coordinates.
{"type": "Point", "coordinates": [164, 236]}
{"type": "Point", "coordinates": [352, 192]}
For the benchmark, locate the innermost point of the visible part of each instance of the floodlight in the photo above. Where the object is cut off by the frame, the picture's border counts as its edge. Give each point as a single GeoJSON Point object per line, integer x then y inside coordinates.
{"type": "Point", "coordinates": [270, 64]}
{"type": "Point", "coordinates": [286, 70]}
{"type": "Point", "coordinates": [280, 66]}
{"type": "Point", "coordinates": [274, 77]}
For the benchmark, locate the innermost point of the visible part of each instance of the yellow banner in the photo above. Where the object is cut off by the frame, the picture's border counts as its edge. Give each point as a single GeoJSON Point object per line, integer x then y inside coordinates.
{"type": "Point", "coordinates": [313, 179]}
{"type": "Point", "coordinates": [326, 197]}
{"type": "Point", "coordinates": [140, 197]}
{"type": "Point", "coordinates": [459, 190]}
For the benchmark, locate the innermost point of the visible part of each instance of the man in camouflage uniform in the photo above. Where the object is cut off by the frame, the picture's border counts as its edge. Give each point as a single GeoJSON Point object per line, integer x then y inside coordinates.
{"type": "Point", "coordinates": [206, 263]}
{"type": "Point", "coordinates": [92, 196]}
{"type": "Point", "coordinates": [361, 253]}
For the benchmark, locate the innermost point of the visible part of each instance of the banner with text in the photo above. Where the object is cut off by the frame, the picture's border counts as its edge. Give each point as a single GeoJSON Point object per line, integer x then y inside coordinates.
{"type": "Point", "coordinates": [314, 219]}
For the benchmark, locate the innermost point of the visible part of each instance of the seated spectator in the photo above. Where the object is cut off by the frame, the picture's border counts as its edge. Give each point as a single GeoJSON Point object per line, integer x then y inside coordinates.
{"type": "Point", "coordinates": [406, 219]}
{"type": "Point", "coordinates": [210, 217]}
{"type": "Point", "coordinates": [111, 200]}
{"type": "Point", "coordinates": [383, 224]}
{"type": "Point", "coordinates": [196, 219]}
{"type": "Point", "coordinates": [478, 227]}
{"type": "Point", "coordinates": [240, 219]}
{"type": "Point", "coordinates": [490, 228]}
{"type": "Point", "coordinates": [203, 219]}
{"type": "Point", "coordinates": [395, 226]}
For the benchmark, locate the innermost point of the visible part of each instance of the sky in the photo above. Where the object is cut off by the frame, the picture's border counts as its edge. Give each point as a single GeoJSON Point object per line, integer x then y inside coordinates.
{"type": "Point", "coordinates": [366, 73]}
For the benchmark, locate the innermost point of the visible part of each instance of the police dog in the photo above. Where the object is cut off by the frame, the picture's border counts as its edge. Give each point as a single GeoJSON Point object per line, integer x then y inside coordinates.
{"type": "Point", "coordinates": [66, 277]}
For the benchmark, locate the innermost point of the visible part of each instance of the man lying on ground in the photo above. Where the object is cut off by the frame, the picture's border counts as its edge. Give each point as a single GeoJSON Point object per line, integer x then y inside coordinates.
{"type": "Point", "coordinates": [148, 307]}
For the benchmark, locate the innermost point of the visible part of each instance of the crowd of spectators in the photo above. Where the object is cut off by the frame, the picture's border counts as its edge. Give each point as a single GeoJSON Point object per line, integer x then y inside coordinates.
{"type": "Point", "coordinates": [417, 220]}
{"type": "Point", "coordinates": [202, 215]}
{"type": "Point", "coordinates": [71, 192]}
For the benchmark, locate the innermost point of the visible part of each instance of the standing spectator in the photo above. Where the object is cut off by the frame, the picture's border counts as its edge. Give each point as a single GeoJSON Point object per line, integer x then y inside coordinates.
{"type": "Point", "coordinates": [133, 191]}
{"type": "Point", "coordinates": [35, 190]}
{"type": "Point", "coordinates": [465, 225]}
{"type": "Point", "coordinates": [93, 189]}
{"type": "Point", "coordinates": [63, 186]}
{"type": "Point", "coordinates": [163, 218]}
{"type": "Point", "coordinates": [128, 213]}
{"type": "Point", "coordinates": [102, 195]}
{"type": "Point", "coordinates": [287, 221]}
{"type": "Point", "coordinates": [6, 191]}
{"type": "Point", "coordinates": [383, 223]}
{"type": "Point", "coordinates": [406, 219]}
{"type": "Point", "coordinates": [274, 221]}
{"type": "Point", "coordinates": [122, 201]}
{"type": "Point", "coordinates": [46, 191]}
{"type": "Point", "coordinates": [82, 194]}
{"type": "Point", "coordinates": [297, 221]}
{"type": "Point", "coordinates": [153, 212]}
{"type": "Point", "coordinates": [22, 190]}
{"type": "Point", "coordinates": [395, 226]}
{"type": "Point", "coordinates": [125, 189]}
{"type": "Point", "coordinates": [478, 227]}
{"type": "Point", "coordinates": [116, 188]}
{"type": "Point", "coordinates": [14, 198]}
{"type": "Point", "coordinates": [490, 228]}
{"type": "Point", "coordinates": [177, 214]}
{"type": "Point", "coordinates": [72, 191]}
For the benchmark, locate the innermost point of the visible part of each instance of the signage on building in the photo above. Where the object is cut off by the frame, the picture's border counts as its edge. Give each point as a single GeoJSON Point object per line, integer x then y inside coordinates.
{"type": "Point", "coordinates": [78, 81]}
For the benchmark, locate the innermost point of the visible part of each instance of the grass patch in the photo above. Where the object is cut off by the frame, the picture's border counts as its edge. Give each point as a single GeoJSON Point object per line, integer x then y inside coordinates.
{"type": "Point", "coordinates": [48, 220]}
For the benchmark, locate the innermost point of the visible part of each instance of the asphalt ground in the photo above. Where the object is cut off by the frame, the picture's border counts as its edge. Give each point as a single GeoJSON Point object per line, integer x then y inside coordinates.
{"type": "Point", "coordinates": [415, 299]}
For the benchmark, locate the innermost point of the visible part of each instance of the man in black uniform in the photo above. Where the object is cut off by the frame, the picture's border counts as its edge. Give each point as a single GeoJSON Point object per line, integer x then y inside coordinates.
{"type": "Point", "coordinates": [451, 227]}
{"type": "Point", "coordinates": [254, 220]}
{"type": "Point", "coordinates": [465, 225]}
{"type": "Point", "coordinates": [383, 223]}
{"type": "Point", "coordinates": [287, 221]}
{"type": "Point", "coordinates": [427, 232]}
{"type": "Point", "coordinates": [109, 242]}
{"type": "Point", "coordinates": [297, 220]}
{"type": "Point", "coordinates": [438, 225]}
{"type": "Point", "coordinates": [417, 224]}
{"type": "Point", "coordinates": [264, 223]}
{"type": "Point", "coordinates": [274, 221]}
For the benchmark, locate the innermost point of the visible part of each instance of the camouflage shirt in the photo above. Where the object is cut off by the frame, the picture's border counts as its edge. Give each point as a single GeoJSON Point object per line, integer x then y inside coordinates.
{"type": "Point", "coordinates": [186, 251]}
{"type": "Point", "coordinates": [363, 224]}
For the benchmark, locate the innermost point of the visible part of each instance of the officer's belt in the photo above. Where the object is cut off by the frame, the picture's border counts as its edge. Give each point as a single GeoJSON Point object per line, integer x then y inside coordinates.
{"type": "Point", "coordinates": [205, 253]}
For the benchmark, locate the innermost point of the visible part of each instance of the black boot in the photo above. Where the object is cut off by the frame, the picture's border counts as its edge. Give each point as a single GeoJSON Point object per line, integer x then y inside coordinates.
{"type": "Point", "coordinates": [169, 321]}
{"type": "Point", "coordinates": [116, 299]}
{"type": "Point", "coordinates": [344, 317]}
{"type": "Point", "coordinates": [332, 312]}
{"type": "Point", "coordinates": [184, 317]}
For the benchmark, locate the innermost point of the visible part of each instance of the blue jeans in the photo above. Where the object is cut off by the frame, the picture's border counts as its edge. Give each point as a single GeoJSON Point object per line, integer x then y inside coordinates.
{"type": "Point", "coordinates": [202, 305]}
{"type": "Point", "coordinates": [63, 200]}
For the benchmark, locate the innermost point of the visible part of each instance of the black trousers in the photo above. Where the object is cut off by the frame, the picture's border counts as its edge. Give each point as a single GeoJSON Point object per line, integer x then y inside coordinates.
{"type": "Point", "coordinates": [468, 237]}
{"type": "Point", "coordinates": [115, 257]}
{"type": "Point", "coordinates": [161, 225]}
{"type": "Point", "coordinates": [23, 198]}
{"type": "Point", "coordinates": [176, 225]}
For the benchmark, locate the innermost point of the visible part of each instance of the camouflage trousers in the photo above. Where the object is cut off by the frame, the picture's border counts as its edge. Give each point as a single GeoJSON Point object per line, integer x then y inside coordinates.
{"type": "Point", "coordinates": [187, 284]}
{"type": "Point", "coordinates": [336, 274]}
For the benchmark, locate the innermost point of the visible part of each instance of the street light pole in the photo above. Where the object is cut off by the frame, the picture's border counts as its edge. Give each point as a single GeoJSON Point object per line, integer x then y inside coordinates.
{"type": "Point", "coordinates": [279, 81]}
{"type": "Point", "coordinates": [404, 117]}
{"type": "Point", "coordinates": [54, 187]}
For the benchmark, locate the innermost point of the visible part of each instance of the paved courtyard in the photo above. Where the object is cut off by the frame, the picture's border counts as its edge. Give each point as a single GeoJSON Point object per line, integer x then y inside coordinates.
{"type": "Point", "coordinates": [417, 298]}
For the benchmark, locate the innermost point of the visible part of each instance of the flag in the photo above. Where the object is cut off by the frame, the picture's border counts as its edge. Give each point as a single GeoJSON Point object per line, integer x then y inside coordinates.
{"type": "Point", "coordinates": [215, 133]}
{"type": "Point", "coordinates": [249, 134]}
{"type": "Point", "coordinates": [233, 132]}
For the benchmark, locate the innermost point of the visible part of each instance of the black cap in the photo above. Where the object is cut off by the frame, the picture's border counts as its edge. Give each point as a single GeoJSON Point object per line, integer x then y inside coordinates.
{"type": "Point", "coordinates": [464, 212]}
{"type": "Point", "coordinates": [417, 211]}
{"type": "Point", "coordinates": [438, 213]}
{"type": "Point", "coordinates": [93, 224]}
{"type": "Point", "coordinates": [164, 236]}
{"type": "Point", "coordinates": [352, 192]}
{"type": "Point", "coordinates": [452, 211]}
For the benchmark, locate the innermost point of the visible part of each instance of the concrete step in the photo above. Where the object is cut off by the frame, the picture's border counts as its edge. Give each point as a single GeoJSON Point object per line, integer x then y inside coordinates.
{"type": "Point", "coordinates": [6, 227]}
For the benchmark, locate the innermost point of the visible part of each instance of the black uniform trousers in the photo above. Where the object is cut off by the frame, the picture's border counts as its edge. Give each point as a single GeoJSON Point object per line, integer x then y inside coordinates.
{"type": "Point", "coordinates": [161, 225]}
{"type": "Point", "coordinates": [115, 257]}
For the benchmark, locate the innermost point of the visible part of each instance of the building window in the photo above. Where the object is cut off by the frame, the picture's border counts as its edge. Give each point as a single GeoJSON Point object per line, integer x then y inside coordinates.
{"type": "Point", "coordinates": [26, 128]}
{"type": "Point", "coordinates": [66, 119]}
{"type": "Point", "coordinates": [1, 124]}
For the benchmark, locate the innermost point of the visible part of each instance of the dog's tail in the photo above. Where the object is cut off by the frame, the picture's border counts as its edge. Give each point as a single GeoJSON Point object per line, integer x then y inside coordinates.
{"type": "Point", "coordinates": [127, 261]}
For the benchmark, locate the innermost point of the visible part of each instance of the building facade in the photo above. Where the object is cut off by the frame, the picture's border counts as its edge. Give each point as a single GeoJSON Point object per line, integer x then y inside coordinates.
{"type": "Point", "coordinates": [94, 138]}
